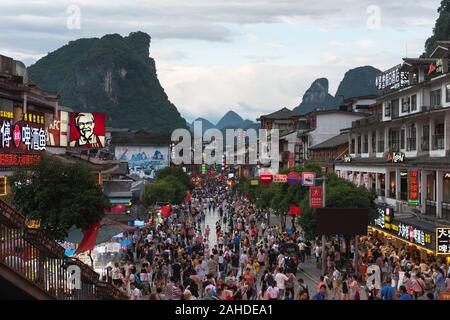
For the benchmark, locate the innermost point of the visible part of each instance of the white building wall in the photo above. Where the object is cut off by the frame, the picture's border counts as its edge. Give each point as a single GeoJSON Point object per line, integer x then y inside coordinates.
{"type": "Point", "coordinates": [329, 125]}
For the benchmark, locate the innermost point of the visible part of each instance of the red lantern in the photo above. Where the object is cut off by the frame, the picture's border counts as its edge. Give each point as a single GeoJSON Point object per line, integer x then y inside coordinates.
{"type": "Point", "coordinates": [266, 178]}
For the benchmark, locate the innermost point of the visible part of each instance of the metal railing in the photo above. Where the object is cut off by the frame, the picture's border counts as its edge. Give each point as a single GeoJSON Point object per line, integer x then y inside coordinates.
{"type": "Point", "coordinates": [445, 207]}
{"type": "Point", "coordinates": [32, 255]}
{"type": "Point", "coordinates": [430, 208]}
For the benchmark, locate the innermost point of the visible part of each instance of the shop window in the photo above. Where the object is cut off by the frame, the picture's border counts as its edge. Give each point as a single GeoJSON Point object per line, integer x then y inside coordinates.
{"type": "Point", "coordinates": [414, 102]}
{"type": "Point", "coordinates": [404, 185]}
{"type": "Point", "coordinates": [411, 142]}
{"type": "Point", "coordinates": [392, 185]}
{"type": "Point", "coordinates": [438, 137]}
{"type": "Point", "coordinates": [446, 188]}
{"type": "Point", "coordinates": [374, 141]}
{"type": "Point", "coordinates": [387, 109]}
{"type": "Point", "coordinates": [431, 187]}
{"type": "Point", "coordinates": [435, 98]}
{"type": "Point", "coordinates": [366, 144]}
{"type": "Point", "coordinates": [395, 108]}
{"type": "Point", "coordinates": [406, 104]}
{"type": "Point", "coordinates": [3, 183]}
{"type": "Point", "coordinates": [447, 93]}
{"type": "Point", "coordinates": [381, 142]}
{"type": "Point", "coordinates": [426, 138]}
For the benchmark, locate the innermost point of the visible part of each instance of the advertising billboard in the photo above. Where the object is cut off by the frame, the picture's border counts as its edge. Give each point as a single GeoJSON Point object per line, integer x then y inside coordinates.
{"type": "Point", "coordinates": [143, 161]}
{"type": "Point", "coordinates": [342, 221]}
{"type": "Point", "coordinates": [87, 129]}
{"type": "Point", "coordinates": [57, 130]}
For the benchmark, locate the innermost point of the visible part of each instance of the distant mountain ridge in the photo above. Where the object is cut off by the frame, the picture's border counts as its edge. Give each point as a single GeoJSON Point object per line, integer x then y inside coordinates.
{"type": "Point", "coordinates": [112, 74]}
{"type": "Point", "coordinates": [231, 120]}
{"type": "Point", "coordinates": [357, 82]}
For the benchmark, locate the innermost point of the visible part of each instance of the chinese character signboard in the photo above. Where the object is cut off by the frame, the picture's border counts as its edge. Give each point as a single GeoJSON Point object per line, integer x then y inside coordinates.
{"type": "Point", "coordinates": [87, 129]}
{"type": "Point", "coordinates": [413, 188]}
{"type": "Point", "coordinates": [57, 130]}
{"type": "Point", "coordinates": [315, 197]}
{"type": "Point", "coordinates": [308, 179]}
{"type": "Point", "coordinates": [442, 241]}
{"type": "Point", "coordinates": [280, 178]}
{"type": "Point", "coordinates": [18, 160]}
{"type": "Point", "coordinates": [392, 79]}
{"type": "Point", "coordinates": [266, 178]}
{"type": "Point", "coordinates": [413, 234]}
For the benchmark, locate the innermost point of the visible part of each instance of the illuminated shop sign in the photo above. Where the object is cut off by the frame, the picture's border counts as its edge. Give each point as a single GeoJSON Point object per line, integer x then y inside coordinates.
{"type": "Point", "coordinates": [392, 79]}
{"type": "Point", "coordinates": [19, 160]}
{"type": "Point", "coordinates": [442, 241]}
{"type": "Point", "coordinates": [396, 157]}
{"type": "Point", "coordinates": [34, 117]}
{"type": "Point", "coordinates": [414, 235]}
{"type": "Point", "coordinates": [14, 136]}
{"type": "Point", "coordinates": [413, 188]}
{"type": "Point", "coordinates": [6, 114]}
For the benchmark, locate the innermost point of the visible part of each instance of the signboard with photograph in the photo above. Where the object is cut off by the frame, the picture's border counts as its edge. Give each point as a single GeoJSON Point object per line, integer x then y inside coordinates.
{"type": "Point", "coordinates": [87, 129]}
{"type": "Point", "coordinates": [308, 179]}
{"type": "Point", "coordinates": [143, 161]}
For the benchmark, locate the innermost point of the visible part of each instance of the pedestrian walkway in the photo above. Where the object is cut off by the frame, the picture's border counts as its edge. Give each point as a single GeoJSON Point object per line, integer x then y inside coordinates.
{"type": "Point", "coordinates": [211, 219]}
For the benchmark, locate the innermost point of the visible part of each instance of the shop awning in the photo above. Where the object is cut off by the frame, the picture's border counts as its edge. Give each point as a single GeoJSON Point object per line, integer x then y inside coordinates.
{"type": "Point", "coordinates": [108, 230]}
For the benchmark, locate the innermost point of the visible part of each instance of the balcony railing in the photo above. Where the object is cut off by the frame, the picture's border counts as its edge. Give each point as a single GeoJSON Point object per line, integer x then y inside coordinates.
{"type": "Point", "coordinates": [32, 256]}
{"type": "Point", "coordinates": [430, 207]}
{"type": "Point", "coordinates": [445, 210]}
{"type": "Point", "coordinates": [438, 142]}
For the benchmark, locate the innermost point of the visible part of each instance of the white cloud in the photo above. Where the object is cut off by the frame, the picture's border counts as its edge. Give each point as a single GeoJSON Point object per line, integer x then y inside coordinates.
{"type": "Point", "coordinates": [331, 58]}
{"type": "Point", "coordinates": [168, 54]}
{"type": "Point", "coordinates": [366, 44]}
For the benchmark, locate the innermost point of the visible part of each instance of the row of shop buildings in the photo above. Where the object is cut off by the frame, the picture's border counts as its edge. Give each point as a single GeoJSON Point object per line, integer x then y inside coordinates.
{"type": "Point", "coordinates": [396, 144]}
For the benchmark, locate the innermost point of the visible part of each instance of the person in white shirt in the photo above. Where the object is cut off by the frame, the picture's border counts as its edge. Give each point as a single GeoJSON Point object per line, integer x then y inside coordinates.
{"type": "Point", "coordinates": [136, 294]}
{"type": "Point", "coordinates": [272, 292]}
{"type": "Point", "coordinates": [280, 279]}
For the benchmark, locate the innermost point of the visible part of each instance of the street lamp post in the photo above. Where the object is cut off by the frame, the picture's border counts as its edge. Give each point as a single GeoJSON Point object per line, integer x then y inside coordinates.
{"type": "Point", "coordinates": [324, 238]}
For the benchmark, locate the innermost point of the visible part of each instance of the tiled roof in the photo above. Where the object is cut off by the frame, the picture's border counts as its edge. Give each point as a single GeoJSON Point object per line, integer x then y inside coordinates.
{"type": "Point", "coordinates": [331, 143]}
{"type": "Point", "coordinates": [281, 114]}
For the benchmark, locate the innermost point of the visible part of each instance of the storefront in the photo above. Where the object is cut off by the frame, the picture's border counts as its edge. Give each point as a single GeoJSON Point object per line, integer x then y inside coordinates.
{"type": "Point", "coordinates": [416, 234]}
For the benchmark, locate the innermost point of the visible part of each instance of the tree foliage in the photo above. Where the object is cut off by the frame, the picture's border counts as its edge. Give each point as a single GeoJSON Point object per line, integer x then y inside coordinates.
{"type": "Point", "coordinates": [60, 195]}
{"type": "Point", "coordinates": [340, 193]}
{"type": "Point", "coordinates": [170, 186]}
{"type": "Point", "coordinates": [441, 30]}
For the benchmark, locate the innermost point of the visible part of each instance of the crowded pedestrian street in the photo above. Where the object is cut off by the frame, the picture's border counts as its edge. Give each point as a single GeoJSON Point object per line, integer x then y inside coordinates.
{"type": "Point", "coordinates": [219, 246]}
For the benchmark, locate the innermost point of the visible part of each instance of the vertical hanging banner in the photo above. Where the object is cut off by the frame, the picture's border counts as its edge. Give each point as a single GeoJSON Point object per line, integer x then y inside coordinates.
{"type": "Point", "coordinates": [413, 187]}
{"type": "Point", "coordinates": [315, 197]}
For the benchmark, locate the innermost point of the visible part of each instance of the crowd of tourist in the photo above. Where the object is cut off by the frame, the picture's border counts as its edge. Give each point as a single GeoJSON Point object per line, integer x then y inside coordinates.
{"type": "Point", "coordinates": [241, 257]}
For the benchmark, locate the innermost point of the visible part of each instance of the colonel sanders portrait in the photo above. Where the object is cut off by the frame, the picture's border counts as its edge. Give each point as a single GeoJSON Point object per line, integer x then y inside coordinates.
{"type": "Point", "coordinates": [85, 123]}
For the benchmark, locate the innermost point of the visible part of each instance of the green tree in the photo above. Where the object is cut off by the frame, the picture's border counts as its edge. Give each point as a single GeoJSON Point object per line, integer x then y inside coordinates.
{"type": "Point", "coordinates": [167, 190]}
{"type": "Point", "coordinates": [60, 195]}
{"type": "Point", "coordinates": [176, 172]}
{"type": "Point", "coordinates": [441, 30]}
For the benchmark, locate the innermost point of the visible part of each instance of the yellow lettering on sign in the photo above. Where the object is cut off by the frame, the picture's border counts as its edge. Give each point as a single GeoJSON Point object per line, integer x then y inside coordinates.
{"type": "Point", "coordinates": [394, 227]}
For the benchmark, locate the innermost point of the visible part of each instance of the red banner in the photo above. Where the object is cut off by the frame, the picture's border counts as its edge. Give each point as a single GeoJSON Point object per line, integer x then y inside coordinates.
{"type": "Point", "coordinates": [315, 197]}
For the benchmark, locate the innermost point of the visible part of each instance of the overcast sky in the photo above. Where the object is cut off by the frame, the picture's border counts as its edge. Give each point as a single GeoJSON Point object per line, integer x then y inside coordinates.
{"type": "Point", "coordinates": [251, 56]}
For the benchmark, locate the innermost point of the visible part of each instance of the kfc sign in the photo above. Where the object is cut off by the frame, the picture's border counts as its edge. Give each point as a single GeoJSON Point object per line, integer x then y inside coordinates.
{"type": "Point", "coordinates": [57, 130]}
{"type": "Point", "coordinates": [87, 129]}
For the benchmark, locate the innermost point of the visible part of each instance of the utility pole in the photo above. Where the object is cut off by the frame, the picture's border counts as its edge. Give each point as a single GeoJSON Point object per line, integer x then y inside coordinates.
{"type": "Point", "coordinates": [324, 238]}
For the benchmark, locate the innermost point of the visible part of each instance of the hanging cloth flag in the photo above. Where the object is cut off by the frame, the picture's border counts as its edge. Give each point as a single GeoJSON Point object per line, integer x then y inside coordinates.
{"type": "Point", "coordinates": [294, 210]}
{"type": "Point", "coordinates": [188, 197]}
{"type": "Point", "coordinates": [89, 238]}
{"type": "Point", "coordinates": [166, 210]}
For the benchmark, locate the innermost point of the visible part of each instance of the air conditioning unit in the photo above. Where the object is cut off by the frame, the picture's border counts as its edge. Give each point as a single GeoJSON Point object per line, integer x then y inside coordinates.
{"type": "Point", "coordinates": [425, 108]}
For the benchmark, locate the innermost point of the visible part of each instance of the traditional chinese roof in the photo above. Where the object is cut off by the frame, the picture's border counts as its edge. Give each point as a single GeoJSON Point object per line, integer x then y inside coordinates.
{"type": "Point", "coordinates": [332, 142]}
{"type": "Point", "coordinates": [282, 114]}
{"type": "Point", "coordinates": [442, 50]}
